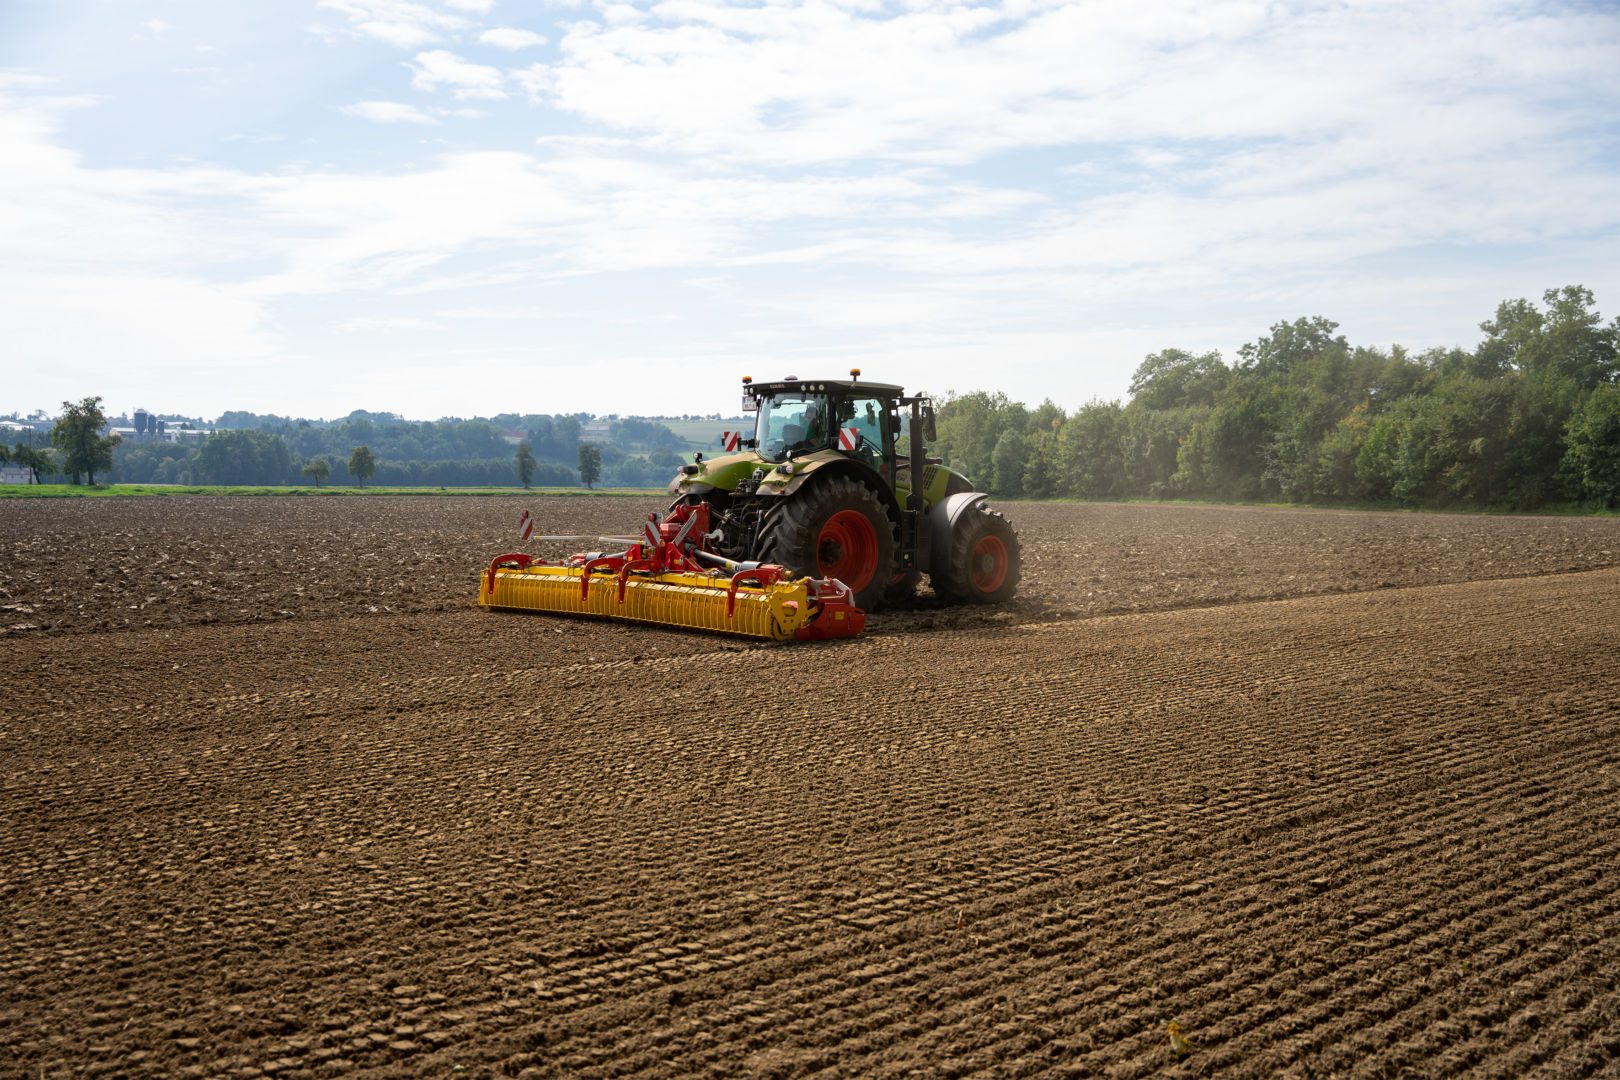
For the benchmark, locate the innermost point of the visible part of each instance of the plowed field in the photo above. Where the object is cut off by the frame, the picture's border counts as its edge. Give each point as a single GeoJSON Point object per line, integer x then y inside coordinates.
{"type": "Point", "coordinates": [1336, 793]}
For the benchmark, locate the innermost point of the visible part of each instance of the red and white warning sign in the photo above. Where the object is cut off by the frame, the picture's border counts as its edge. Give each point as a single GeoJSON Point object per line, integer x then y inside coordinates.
{"type": "Point", "coordinates": [849, 438]}
{"type": "Point", "coordinates": [525, 526]}
{"type": "Point", "coordinates": [730, 440]}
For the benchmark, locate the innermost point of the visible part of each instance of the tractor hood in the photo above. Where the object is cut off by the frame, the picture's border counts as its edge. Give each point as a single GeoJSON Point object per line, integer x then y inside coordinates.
{"type": "Point", "coordinates": [726, 471]}
{"type": "Point", "coordinates": [722, 472]}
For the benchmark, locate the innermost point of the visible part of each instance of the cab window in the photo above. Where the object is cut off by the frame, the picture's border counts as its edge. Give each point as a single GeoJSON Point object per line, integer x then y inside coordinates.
{"type": "Point", "coordinates": [791, 424]}
{"type": "Point", "coordinates": [873, 426]}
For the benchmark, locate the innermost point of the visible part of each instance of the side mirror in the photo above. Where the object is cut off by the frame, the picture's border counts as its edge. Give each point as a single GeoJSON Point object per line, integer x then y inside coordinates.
{"type": "Point", "coordinates": [929, 432]}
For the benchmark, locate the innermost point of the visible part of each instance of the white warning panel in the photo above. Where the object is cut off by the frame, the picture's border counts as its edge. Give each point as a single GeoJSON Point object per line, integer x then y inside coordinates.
{"type": "Point", "coordinates": [849, 438]}
{"type": "Point", "coordinates": [730, 440]}
{"type": "Point", "coordinates": [525, 526]}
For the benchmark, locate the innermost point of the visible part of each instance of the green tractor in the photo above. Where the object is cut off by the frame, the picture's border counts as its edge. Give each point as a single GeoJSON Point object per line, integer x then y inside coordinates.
{"type": "Point", "coordinates": [824, 487]}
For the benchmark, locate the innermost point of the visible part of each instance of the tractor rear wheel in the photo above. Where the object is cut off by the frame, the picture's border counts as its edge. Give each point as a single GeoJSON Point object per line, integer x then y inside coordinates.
{"type": "Point", "coordinates": [983, 563]}
{"type": "Point", "coordinates": [834, 528]}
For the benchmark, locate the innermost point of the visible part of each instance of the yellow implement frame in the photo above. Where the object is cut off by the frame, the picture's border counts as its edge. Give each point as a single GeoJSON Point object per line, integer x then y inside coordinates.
{"type": "Point", "coordinates": [691, 601]}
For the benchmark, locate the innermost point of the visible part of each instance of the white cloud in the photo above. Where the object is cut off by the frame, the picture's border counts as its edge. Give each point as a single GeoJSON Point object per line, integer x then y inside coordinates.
{"type": "Point", "coordinates": [402, 23]}
{"type": "Point", "coordinates": [120, 330]}
{"type": "Point", "coordinates": [811, 83]}
{"type": "Point", "coordinates": [367, 324]}
{"type": "Point", "coordinates": [20, 81]}
{"type": "Point", "coordinates": [110, 273]}
{"type": "Point", "coordinates": [477, 7]}
{"type": "Point", "coordinates": [535, 81]}
{"type": "Point", "coordinates": [439, 68]}
{"type": "Point", "coordinates": [388, 112]}
{"type": "Point", "coordinates": [510, 38]}
{"type": "Point", "coordinates": [1020, 195]}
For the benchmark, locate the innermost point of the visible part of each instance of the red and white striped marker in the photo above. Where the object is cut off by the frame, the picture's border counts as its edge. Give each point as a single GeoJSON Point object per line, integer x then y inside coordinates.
{"type": "Point", "coordinates": [730, 440]}
{"type": "Point", "coordinates": [849, 438]}
{"type": "Point", "coordinates": [525, 526]}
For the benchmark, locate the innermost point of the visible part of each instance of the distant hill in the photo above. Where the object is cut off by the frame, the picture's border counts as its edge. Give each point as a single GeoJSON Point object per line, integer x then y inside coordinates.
{"type": "Point", "coordinates": [703, 434]}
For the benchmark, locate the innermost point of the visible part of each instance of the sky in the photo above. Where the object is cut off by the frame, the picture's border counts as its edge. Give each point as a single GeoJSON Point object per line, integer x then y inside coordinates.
{"type": "Point", "coordinates": [466, 207]}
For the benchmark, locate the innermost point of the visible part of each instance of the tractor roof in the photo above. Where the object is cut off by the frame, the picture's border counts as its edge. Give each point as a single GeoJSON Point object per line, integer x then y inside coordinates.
{"type": "Point", "coordinates": [818, 386]}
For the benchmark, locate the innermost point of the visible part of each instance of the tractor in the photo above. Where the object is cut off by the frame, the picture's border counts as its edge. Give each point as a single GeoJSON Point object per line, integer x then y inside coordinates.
{"type": "Point", "coordinates": [823, 486]}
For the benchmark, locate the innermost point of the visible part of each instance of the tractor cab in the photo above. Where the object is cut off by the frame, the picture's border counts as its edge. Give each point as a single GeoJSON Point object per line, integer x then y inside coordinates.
{"type": "Point", "coordinates": [834, 483]}
{"type": "Point", "coordinates": [863, 421]}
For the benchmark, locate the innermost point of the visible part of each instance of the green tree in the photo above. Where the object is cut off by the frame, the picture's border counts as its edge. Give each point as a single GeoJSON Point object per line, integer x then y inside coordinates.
{"type": "Point", "coordinates": [244, 457]}
{"type": "Point", "coordinates": [1148, 442]}
{"type": "Point", "coordinates": [1043, 474]}
{"type": "Point", "coordinates": [1336, 457]}
{"type": "Point", "coordinates": [525, 463]}
{"type": "Point", "coordinates": [1007, 464]}
{"type": "Point", "coordinates": [1173, 377]}
{"type": "Point", "coordinates": [1592, 463]}
{"type": "Point", "coordinates": [1089, 452]}
{"type": "Point", "coordinates": [971, 425]}
{"type": "Point", "coordinates": [1192, 461]}
{"type": "Point", "coordinates": [362, 464]}
{"type": "Point", "coordinates": [37, 462]}
{"type": "Point", "coordinates": [318, 470]}
{"type": "Point", "coordinates": [1289, 344]}
{"type": "Point", "coordinates": [1237, 436]}
{"type": "Point", "coordinates": [590, 464]}
{"type": "Point", "coordinates": [1046, 417]}
{"type": "Point", "coordinates": [78, 435]}
{"type": "Point", "coordinates": [1566, 340]}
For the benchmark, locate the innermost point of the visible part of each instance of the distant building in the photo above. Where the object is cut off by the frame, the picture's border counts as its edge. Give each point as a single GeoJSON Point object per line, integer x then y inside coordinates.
{"type": "Point", "coordinates": [595, 431]}
{"type": "Point", "coordinates": [160, 431]}
{"type": "Point", "coordinates": [14, 474]}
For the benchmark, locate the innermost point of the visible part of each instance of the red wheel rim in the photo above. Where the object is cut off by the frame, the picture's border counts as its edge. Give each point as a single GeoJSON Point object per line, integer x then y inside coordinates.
{"type": "Point", "coordinates": [847, 549]}
{"type": "Point", "coordinates": [989, 564]}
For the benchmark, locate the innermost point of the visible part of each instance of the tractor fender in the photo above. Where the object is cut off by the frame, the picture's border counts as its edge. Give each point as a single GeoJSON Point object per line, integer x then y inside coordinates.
{"type": "Point", "coordinates": [943, 518]}
{"type": "Point", "coordinates": [840, 466]}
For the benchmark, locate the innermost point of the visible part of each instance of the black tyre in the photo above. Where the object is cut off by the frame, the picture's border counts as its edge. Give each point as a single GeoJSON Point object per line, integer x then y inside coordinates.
{"type": "Point", "coordinates": [902, 590]}
{"type": "Point", "coordinates": [983, 561]}
{"type": "Point", "coordinates": [833, 528]}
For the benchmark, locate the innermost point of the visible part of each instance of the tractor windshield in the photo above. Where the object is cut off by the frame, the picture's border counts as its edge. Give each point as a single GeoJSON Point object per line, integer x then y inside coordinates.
{"type": "Point", "coordinates": [790, 423]}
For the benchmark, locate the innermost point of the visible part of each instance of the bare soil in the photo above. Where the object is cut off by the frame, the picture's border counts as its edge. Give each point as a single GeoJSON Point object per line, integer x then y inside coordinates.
{"type": "Point", "coordinates": [1337, 793]}
{"type": "Point", "coordinates": [138, 563]}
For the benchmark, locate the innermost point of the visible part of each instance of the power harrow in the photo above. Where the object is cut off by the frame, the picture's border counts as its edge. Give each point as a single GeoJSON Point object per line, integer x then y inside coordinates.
{"type": "Point", "coordinates": [668, 576]}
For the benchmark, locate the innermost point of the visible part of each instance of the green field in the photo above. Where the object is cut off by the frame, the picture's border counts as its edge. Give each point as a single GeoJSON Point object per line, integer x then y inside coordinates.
{"type": "Point", "coordinates": [705, 434]}
{"type": "Point", "coordinates": [71, 491]}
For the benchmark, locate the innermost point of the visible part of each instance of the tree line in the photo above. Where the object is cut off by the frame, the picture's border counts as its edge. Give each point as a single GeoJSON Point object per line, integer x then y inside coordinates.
{"type": "Point", "coordinates": [1527, 418]}
{"type": "Point", "coordinates": [255, 449]}
{"type": "Point", "coordinates": [266, 449]}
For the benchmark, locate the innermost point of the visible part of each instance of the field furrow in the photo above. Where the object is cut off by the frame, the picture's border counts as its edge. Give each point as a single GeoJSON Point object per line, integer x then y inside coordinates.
{"type": "Point", "coordinates": [1364, 833]}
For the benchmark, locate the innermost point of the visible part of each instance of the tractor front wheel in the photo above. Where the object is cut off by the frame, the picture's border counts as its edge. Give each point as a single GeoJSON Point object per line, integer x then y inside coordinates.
{"type": "Point", "coordinates": [983, 561]}
{"type": "Point", "coordinates": [835, 528]}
